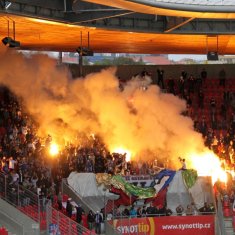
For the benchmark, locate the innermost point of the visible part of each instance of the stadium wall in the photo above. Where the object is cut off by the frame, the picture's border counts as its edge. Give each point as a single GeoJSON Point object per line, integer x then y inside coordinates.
{"type": "Point", "coordinates": [127, 71]}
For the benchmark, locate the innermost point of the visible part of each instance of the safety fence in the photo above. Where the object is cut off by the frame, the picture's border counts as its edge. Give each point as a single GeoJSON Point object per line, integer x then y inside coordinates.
{"type": "Point", "coordinates": [39, 209]}
{"type": "Point", "coordinates": [59, 221]}
{"type": "Point", "coordinates": [123, 224]}
{"type": "Point", "coordinates": [50, 219]}
{"type": "Point", "coordinates": [21, 198]}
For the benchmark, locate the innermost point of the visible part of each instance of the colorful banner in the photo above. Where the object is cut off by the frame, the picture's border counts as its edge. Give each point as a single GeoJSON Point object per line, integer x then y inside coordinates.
{"type": "Point", "coordinates": [190, 177]}
{"type": "Point", "coordinates": [139, 180]}
{"type": "Point", "coordinates": [130, 189]}
{"type": "Point", "coordinates": [167, 225]}
{"type": "Point", "coordinates": [164, 173]}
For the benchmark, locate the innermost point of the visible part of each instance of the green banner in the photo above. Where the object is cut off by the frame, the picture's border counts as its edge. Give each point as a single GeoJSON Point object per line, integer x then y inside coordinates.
{"type": "Point", "coordinates": [130, 189]}
{"type": "Point", "coordinates": [189, 177]}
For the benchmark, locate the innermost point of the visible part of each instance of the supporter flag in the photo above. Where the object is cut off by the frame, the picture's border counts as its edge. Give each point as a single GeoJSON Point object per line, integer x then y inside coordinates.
{"type": "Point", "coordinates": [162, 179]}
{"type": "Point", "coordinates": [119, 182]}
{"type": "Point", "coordinates": [124, 199]}
{"type": "Point", "coordinates": [190, 177]}
{"type": "Point", "coordinates": [159, 200]}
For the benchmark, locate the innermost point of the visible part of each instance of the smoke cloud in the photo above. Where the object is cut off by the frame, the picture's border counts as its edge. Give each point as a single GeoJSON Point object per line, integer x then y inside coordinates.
{"type": "Point", "coordinates": [148, 123]}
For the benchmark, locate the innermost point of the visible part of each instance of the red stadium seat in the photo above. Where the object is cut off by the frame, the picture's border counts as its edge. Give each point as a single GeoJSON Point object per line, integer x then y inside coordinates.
{"type": "Point", "coordinates": [227, 212]}
{"type": "Point", "coordinates": [65, 198]}
{"type": "Point", "coordinates": [3, 231]}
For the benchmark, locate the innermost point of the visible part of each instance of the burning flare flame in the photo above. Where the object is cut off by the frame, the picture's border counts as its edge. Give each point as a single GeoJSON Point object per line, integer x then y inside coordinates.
{"type": "Point", "coordinates": [53, 149]}
{"type": "Point", "coordinates": [208, 164]}
{"type": "Point", "coordinates": [121, 150]}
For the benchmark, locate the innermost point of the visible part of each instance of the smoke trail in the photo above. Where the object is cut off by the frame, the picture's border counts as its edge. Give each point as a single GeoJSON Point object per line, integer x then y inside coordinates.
{"type": "Point", "coordinates": [141, 121]}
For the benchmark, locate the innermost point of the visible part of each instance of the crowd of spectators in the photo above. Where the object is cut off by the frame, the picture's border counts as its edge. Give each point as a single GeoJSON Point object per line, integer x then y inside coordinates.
{"type": "Point", "coordinates": [24, 160]}
{"type": "Point", "coordinates": [22, 151]}
{"type": "Point", "coordinates": [213, 114]}
{"type": "Point", "coordinates": [136, 211]}
{"type": "Point", "coordinates": [211, 105]}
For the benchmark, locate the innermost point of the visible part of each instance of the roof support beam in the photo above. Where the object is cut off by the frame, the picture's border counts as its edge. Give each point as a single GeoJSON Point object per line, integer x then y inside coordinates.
{"type": "Point", "coordinates": [88, 14]}
{"type": "Point", "coordinates": [32, 10]}
{"type": "Point", "coordinates": [86, 18]}
{"type": "Point", "coordinates": [52, 4]}
{"type": "Point", "coordinates": [178, 25]}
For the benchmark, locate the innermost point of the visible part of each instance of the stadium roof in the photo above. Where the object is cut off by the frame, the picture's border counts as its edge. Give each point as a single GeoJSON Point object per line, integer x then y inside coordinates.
{"type": "Point", "coordinates": [36, 34]}
{"type": "Point", "coordinates": [189, 8]}
{"type": "Point", "coordinates": [121, 28]}
{"type": "Point", "coordinates": [204, 3]}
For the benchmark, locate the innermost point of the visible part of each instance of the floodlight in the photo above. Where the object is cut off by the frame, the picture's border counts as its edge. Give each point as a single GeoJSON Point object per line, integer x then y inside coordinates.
{"type": "Point", "coordinates": [8, 41]}
{"type": "Point", "coordinates": [84, 51]}
{"type": "Point", "coordinates": [212, 55]}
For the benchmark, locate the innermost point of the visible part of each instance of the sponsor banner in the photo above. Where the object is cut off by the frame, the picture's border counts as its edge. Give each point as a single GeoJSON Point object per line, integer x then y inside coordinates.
{"type": "Point", "coordinates": [167, 225]}
{"type": "Point", "coordinates": [184, 225]}
{"type": "Point", "coordinates": [140, 226]}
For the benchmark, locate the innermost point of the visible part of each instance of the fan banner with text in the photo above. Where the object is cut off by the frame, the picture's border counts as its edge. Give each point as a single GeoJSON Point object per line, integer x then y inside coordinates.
{"type": "Point", "coordinates": [167, 225]}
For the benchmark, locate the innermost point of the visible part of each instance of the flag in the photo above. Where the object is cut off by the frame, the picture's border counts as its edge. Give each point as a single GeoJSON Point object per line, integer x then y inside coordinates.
{"type": "Point", "coordinates": [162, 179]}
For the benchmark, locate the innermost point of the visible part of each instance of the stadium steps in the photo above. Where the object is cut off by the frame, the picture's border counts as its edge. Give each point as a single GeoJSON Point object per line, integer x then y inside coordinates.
{"type": "Point", "coordinates": [89, 204]}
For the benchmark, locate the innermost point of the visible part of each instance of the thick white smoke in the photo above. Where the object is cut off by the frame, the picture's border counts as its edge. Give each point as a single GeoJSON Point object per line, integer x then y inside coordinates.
{"type": "Point", "coordinates": [137, 120]}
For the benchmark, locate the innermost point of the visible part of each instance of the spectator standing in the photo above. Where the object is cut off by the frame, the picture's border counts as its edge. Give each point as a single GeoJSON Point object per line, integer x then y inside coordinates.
{"type": "Point", "coordinates": [150, 210]}
{"type": "Point", "coordinates": [79, 213]}
{"type": "Point", "coordinates": [179, 210]}
{"type": "Point", "coordinates": [15, 177]}
{"type": "Point", "coordinates": [90, 220]}
{"type": "Point", "coordinates": [205, 210]}
{"type": "Point", "coordinates": [189, 210]}
{"type": "Point", "coordinates": [213, 113]}
{"type": "Point", "coordinates": [191, 84]}
{"type": "Point", "coordinates": [230, 151]}
{"type": "Point", "coordinates": [222, 77]}
{"type": "Point", "coordinates": [184, 75]}
{"type": "Point", "coordinates": [204, 75]}
{"type": "Point", "coordinates": [201, 99]}
{"type": "Point", "coordinates": [12, 163]}
{"type": "Point", "coordinates": [59, 201]}
{"type": "Point", "coordinates": [133, 212]}
{"type": "Point", "coordinates": [168, 212]}
{"type": "Point", "coordinates": [139, 212]}
{"type": "Point", "coordinates": [98, 221]}
{"type": "Point", "coordinates": [181, 87]}
{"type": "Point", "coordinates": [182, 161]}
{"type": "Point", "coordinates": [69, 208]}
{"type": "Point", "coordinates": [144, 211]}
{"type": "Point", "coordinates": [171, 86]}
{"type": "Point", "coordinates": [160, 80]}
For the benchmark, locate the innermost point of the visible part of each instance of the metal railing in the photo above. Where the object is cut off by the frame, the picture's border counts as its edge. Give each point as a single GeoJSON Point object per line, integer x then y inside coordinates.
{"type": "Point", "coordinates": [109, 210]}
{"type": "Point", "coordinates": [220, 216]}
{"type": "Point", "coordinates": [20, 197]}
{"type": "Point", "coordinates": [68, 190]}
{"type": "Point", "coordinates": [163, 214]}
{"type": "Point", "coordinates": [108, 228]}
{"type": "Point", "coordinates": [40, 210]}
{"type": "Point", "coordinates": [65, 224]}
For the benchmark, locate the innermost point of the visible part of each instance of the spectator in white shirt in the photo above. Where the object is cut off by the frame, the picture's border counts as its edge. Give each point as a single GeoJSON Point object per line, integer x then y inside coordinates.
{"type": "Point", "coordinates": [12, 163]}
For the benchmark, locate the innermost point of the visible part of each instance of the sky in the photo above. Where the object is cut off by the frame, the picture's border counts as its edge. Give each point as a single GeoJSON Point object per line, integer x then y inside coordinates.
{"type": "Point", "coordinates": [180, 57]}
{"type": "Point", "coordinates": [175, 57]}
